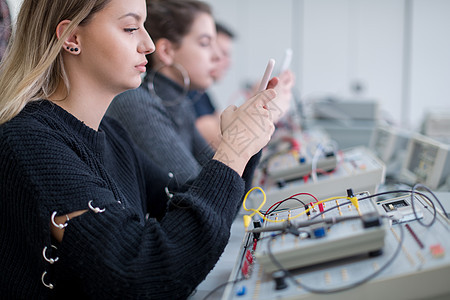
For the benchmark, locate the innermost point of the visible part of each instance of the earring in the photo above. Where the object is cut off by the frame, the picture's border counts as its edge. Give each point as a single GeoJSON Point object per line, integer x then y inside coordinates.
{"type": "Point", "coordinates": [186, 84]}
{"type": "Point", "coordinates": [72, 49]}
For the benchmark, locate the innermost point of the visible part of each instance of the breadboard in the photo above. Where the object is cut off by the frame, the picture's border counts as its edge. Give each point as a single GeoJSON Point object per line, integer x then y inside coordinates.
{"type": "Point", "coordinates": [420, 270]}
{"type": "Point", "coordinates": [341, 240]}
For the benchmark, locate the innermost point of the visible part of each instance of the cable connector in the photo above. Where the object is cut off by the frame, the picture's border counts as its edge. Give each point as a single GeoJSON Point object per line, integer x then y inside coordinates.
{"type": "Point", "coordinates": [247, 220]}
{"type": "Point", "coordinates": [256, 224]}
{"type": "Point", "coordinates": [353, 199]}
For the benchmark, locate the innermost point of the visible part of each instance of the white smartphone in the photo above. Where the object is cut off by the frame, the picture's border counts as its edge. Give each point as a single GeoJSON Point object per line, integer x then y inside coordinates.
{"type": "Point", "coordinates": [287, 60]}
{"type": "Point", "coordinates": [267, 74]}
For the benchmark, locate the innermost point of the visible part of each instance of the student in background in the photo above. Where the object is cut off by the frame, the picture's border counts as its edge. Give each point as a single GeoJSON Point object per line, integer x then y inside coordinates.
{"type": "Point", "coordinates": [207, 118]}
{"type": "Point", "coordinates": [83, 212]}
{"type": "Point", "coordinates": [159, 115]}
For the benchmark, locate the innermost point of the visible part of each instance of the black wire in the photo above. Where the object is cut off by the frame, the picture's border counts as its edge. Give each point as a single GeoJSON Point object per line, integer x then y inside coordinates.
{"type": "Point", "coordinates": [418, 185]}
{"type": "Point", "coordinates": [381, 194]}
{"type": "Point", "coordinates": [281, 202]}
{"type": "Point", "coordinates": [355, 284]}
{"type": "Point", "coordinates": [364, 280]}
{"type": "Point", "coordinates": [411, 192]}
{"type": "Point", "coordinates": [437, 200]}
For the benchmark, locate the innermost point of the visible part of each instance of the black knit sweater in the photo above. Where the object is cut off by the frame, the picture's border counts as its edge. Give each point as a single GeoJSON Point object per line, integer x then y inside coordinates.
{"type": "Point", "coordinates": [51, 162]}
{"type": "Point", "coordinates": [163, 126]}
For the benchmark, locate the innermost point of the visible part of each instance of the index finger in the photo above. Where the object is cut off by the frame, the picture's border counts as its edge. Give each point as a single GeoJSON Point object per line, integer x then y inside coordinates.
{"type": "Point", "coordinates": [265, 96]}
{"type": "Point", "coordinates": [261, 98]}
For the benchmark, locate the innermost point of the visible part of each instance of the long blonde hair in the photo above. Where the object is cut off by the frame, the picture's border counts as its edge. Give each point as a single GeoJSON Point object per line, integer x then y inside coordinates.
{"type": "Point", "coordinates": [32, 67]}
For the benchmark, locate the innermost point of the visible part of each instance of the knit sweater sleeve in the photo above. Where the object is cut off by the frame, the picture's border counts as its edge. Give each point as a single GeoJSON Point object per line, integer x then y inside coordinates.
{"type": "Point", "coordinates": [118, 255]}
{"type": "Point", "coordinates": [152, 130]}
{"type": "Point", "coordinates": [202, 151]}
{"type": "Point", "coordinates": [113, 252]}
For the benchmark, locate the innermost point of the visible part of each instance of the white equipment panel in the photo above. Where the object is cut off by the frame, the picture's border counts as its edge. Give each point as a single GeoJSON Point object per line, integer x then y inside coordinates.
{"type": "Point", "coordinates": [358, 168]}
{"type": "Point", "coordinates": [427, 161]}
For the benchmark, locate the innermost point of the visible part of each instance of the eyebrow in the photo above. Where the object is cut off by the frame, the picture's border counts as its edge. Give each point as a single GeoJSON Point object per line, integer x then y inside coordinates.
{"type": "Point", "coordinates": [133, 15]}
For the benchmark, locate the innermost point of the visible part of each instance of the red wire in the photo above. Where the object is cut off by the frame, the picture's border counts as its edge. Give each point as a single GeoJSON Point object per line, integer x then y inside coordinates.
{"type": "Point", "coordinates": [299, 194]}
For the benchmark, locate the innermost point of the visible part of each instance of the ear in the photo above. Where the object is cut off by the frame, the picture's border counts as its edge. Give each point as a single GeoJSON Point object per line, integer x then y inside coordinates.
{"type": "Point", "coordinates": [71, 43]}
{"type": "Point", "coordinates": [165, 50]}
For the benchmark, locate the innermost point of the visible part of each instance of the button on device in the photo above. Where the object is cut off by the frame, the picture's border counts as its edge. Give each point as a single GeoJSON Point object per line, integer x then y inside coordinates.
{"type": "Point", "coordinates": [437, 251]}
{"type": "Point", "coordinates": [242, 291]}
{"type": "Point", "coordinates": [279, 277]}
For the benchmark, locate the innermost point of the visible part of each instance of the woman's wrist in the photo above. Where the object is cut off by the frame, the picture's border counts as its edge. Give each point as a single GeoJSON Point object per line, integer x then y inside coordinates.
{"type": "Point", "coordinates": [228, 155]}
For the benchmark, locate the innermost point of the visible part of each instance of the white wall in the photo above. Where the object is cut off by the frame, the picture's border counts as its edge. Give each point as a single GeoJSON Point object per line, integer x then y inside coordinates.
{"type": "Point", "coordinates": [430, 68]}
{"type": "Point", "coordinates": [398, 49]}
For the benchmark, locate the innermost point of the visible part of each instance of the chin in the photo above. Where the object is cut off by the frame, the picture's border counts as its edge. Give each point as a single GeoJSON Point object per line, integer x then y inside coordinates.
{"type": "Point", "coordinates": [205, 85]}
{"type": "Point", "coordinates": [126, 88]}
{"type": "Point", "coordinates": [135, 85]}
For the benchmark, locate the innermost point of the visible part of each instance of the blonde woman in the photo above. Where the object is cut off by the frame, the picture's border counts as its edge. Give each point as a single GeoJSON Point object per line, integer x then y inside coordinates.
{"type": "Point", "coordinates": [83, 213]}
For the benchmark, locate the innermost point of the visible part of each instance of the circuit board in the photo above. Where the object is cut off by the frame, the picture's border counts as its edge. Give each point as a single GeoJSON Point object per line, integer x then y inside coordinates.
{"type": "Point", "coordinates": [411, 263]}
{"type": "Point", "coordinates": [322, 242]}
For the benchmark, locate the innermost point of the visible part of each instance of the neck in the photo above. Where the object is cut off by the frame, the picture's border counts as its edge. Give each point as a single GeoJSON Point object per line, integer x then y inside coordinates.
{"type": "Point", "coordinates": [87, 103]}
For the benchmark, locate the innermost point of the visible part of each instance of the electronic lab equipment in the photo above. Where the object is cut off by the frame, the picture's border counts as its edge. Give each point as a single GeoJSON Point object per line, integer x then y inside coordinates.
{"type": "Point", "coordinates": [327, 243]}
{"type": "Point", "coordinates": [390, 143]}
{"type": "Point", "coordinates": [308, 152]}
{"type": "Point", "coordinates": [436, 124]}
{"type": "Point", "coordinates": [349, 122]}
{"type": "Point", "coordinates": [403, 254]}
{"type": "Point", "coordinates": [427, 161]}
{"type": "Point", "coordinates": [357, 167]}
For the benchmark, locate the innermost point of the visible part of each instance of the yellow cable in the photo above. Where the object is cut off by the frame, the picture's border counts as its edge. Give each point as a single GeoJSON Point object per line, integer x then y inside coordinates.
{"type": "Point", "coordinates": [247, 218]}
{"type": "Point", "coordinates": [255, 211]}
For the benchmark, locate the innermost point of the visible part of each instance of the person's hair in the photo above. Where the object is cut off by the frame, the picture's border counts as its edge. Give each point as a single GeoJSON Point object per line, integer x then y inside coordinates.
{"type": "Point", "coordinates": [172, 19]}
{"type": "Point", "coordinates": [33, 67]}
{"type": "Point", "coordinates": [221, 28]}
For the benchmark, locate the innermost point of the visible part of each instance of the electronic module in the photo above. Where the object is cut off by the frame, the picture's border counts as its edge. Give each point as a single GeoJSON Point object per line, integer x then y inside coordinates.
{"type": "Point", "coordinates": [372, 248]}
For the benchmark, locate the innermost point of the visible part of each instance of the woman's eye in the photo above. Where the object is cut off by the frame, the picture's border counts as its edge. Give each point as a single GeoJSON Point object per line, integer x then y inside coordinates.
{"type": "Point", "coordinates": [130, 29]}
{"type": "Point", "coordinates": [205, 43]}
